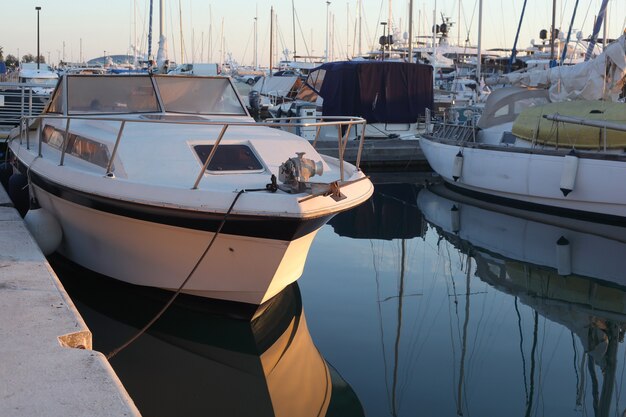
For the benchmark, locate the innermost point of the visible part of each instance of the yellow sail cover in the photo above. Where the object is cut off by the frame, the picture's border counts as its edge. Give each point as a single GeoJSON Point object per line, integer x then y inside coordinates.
{"type": "Point", "coordinates": [532, 126]}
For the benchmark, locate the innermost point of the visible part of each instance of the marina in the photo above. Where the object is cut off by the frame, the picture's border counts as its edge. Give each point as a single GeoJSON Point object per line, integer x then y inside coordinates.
{"type": "Point", "coordinates": [378, 210]}
{"type": "Point", "coordinates": [466, 313]}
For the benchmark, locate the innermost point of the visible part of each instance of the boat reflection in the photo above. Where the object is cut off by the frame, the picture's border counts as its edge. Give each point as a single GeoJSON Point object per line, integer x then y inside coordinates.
{"type": "Point", "coordinates": [569, 271]}
{"type": "Point", "coordinates": [194, 361]}
{"type": "Point", "coordinates": [389, 214]}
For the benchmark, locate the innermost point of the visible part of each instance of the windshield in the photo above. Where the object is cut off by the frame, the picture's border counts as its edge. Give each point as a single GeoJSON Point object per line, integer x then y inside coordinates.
{"type": "Point", "coordinates": [111, 94]}
{"type": "Point", "coordinates": [199, 95]}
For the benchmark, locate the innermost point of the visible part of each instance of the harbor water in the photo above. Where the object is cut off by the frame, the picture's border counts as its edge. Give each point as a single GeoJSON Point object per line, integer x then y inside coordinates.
{"type": "Point", "coordinates": [416, 303]}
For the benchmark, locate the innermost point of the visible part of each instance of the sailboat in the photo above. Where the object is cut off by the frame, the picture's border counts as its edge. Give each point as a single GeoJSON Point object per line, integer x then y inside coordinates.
{"type": "Point", "coordinates": [558, 146]}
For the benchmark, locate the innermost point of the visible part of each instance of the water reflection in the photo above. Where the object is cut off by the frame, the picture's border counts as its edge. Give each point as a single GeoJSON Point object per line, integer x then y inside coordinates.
{"type": "Point", "coordinates": [390, 220]}
{"type": "Point", "coordinates": [568, 271]}
{"type": "Point", "coordinates": [196, 362]}
{"type": "Point", "coordinates": [391, 213]}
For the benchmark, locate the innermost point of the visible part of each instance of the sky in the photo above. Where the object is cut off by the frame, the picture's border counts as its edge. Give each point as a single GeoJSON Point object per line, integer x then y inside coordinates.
{"type": "Point", "coordinates": [74, 29]}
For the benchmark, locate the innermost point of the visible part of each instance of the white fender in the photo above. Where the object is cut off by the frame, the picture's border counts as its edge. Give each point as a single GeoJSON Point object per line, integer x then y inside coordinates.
{"type": "Point", "coordinates": [563, 256]}
{"type": "Point", "coordinates": [45, 229]}
{"type": "Point", "coordinates": [568, 175]}
{"type": "Point", "coordinates": [457, 166]}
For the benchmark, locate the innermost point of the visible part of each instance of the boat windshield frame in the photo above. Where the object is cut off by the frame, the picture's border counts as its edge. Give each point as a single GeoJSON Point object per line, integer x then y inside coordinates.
{"type": "Point", "coordinates": [80, 94]}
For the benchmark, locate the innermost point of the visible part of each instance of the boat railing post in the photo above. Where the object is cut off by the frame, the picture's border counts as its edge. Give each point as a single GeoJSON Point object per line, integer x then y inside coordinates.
{"type": "Point", "coordinates": [30, 102]}
{"type": "Point", "coordinates": [21, 132]}
{"type": "Point", "coordinates": [65, 141]}
{"type": "Point", "coordinates": [347, 135]}
{"type": "Point", "coordinates": [27, 134]}
{"type": "Point", "coordinates": [40, 136]}
{"type": "Point", "coordinates": [340, 146]}
{"type": "Point", "coordinates": [473, 130]}
{"type": "Point", "coordinates": [361, 142]}
{"type": "Point", "coordinates": [22, 101]}
{"type": "Point", "coordinates": [117, 143]}
{"type": "Point", "coordinates": [317, 132]}
{"type": "Point", "coordinates": [604, 136]}
{"type": "Point", "coordinates": [208, 159]}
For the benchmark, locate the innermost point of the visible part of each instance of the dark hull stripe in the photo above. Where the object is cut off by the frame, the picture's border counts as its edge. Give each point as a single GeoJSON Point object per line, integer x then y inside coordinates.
{"type": "Point", "coordinates": [268, 227]}
{"type": "Point", "coordinates": [557, 211]}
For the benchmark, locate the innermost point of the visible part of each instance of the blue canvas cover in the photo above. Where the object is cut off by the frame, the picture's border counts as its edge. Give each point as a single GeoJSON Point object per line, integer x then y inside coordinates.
{"type": "Point", "coordinates": [378, 91]}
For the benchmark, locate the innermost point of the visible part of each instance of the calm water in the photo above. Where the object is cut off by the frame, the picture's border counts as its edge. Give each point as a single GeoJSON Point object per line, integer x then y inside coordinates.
{"type": "Point", "coordinates": [417, 303]}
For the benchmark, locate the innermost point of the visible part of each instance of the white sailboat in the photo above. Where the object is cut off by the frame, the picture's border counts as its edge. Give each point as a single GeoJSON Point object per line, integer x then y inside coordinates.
{"type": "Point", "coordinates": [529, 148]}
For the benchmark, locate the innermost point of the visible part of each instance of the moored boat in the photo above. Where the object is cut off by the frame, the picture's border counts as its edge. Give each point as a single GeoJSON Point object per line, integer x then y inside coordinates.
{"type": "Point", "coordinates": [529, 149]}
{"type": "Point", "coordinates": [168, 182]}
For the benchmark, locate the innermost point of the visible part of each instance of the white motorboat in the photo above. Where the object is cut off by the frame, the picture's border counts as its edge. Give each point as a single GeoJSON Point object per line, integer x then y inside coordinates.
{"type": "Point", "coordinates": [142, 172]}
{"type": "Point", "coordinates": [42, 76]}
{"type": "Point", "coordinates": [526, 150]}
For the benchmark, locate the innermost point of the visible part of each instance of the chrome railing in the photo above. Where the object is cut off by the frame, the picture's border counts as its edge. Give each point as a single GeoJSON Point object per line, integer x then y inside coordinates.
{"type": "Point", "coordinates": [18, 100]}
{"type": "Point", "coordinates": [343, 126]}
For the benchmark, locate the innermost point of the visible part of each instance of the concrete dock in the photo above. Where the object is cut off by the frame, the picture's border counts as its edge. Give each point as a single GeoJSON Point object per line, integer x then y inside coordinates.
{"type": "Point", "coordinates": [47, 367]}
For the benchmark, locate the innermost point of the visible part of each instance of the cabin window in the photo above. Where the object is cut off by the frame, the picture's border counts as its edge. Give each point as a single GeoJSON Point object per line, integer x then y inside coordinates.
{"type": "Point", "coordinates": [229, 158]}
{"type": "Point", "coordinates": [502, 111]}
{"type": "Point", "coordinates": [86, 149]}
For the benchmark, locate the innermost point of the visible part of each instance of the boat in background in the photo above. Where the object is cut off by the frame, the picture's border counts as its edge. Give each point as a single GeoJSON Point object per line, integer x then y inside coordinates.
{"type": "Point", "coordinates": [168, 182]}
{"type": "Point", "coordinates": [392, 97]}
{"type": "Point", "coordinates": [528, 147]}
{"type": "Point", "coordinates": [41, 76]}
{"type": "Point", "coordinates": [29, 95]}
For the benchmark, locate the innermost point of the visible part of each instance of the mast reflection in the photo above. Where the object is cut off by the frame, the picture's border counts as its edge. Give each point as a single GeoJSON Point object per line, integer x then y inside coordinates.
{"type": "Point", "coordinates": [568, 271]}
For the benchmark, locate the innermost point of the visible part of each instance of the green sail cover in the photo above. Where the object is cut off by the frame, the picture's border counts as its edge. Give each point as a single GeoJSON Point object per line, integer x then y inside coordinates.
{"type": "Point", "coordinates": [532, 126]}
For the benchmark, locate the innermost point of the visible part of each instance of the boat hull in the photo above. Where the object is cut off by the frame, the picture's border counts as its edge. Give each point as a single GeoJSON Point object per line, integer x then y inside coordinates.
{"type": "Point", "coordinates": [533, 180]}
{"type": "Point", "coordinates": [237, 268]}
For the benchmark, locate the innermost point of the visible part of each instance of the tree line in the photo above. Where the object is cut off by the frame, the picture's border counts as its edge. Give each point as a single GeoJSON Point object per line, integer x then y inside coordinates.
{"type": "Point", "coordinates": [11, 61]}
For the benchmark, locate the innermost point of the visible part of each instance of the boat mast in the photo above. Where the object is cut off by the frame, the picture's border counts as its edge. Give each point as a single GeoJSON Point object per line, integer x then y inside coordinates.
{"type": "Point", "coordinates": [360, 5]}
{"type": "Point", "coordinates": [256, 40]}
{"type": "Point", "coordinates": [552, 32]}
{"type": "Point", "coordinates": [162, 52]}
{"type": "Point", "coordinates": [149, 33]}
{"type": "Point", "coordinates": [410, 31]}
{"type": "Point", "coordinates": [435, 30]}
{"type": "Point", "coordinates": [182, 45]}
{"type": "Point", "coordinates": [293, 22]}
{"type": "Point", "coordinates": [569, 34]}
{"type": "Point", "coordinates": [458, 26]}
{"type": "Point", "coordinates": [596, 29]}
{"type": "Point", "coordinates": [134, 36]}
{"type": "Point", "coordinates": [519, 26]}
{"type": "Point", "coordinates": [348, 31]}
{"type": "Point", "coordinates": [210, 51]}
{"type": "Point", "coordinates": [327, 14]}
{"type": "Point", "coordinates": [479, 56]}
{"type": "Point", "coordinates": [271, 39]}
